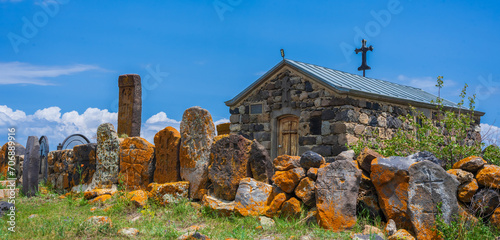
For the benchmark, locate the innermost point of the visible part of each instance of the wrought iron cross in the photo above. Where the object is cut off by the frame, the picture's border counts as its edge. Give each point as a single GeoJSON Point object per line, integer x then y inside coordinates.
{"type": "Point", "coordinates": [364, 49]}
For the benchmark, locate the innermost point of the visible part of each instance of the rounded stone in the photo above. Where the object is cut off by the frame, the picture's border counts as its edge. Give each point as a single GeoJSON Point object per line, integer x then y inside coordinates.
{"type": "Point", "coordinates": [311, 159]}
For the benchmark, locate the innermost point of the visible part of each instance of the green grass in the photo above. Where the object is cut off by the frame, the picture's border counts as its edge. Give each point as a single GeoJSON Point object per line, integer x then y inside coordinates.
{"type": "Point", "coordinates": [65, 219]}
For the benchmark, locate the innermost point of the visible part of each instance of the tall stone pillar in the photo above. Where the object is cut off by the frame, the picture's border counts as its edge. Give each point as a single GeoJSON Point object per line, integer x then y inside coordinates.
{"type": "Point", "coordinates": [31, 167]}
{"type": "Point", "coordinates": [130, 105]}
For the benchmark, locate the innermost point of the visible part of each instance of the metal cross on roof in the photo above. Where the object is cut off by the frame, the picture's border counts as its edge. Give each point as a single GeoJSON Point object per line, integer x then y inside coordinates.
{"type": "Point", "coordinates": [364, 49]}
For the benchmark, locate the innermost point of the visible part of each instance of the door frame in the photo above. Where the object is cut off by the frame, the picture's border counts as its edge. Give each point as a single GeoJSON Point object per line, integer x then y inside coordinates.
{"type": "Point", "coordinates": [275, 116]}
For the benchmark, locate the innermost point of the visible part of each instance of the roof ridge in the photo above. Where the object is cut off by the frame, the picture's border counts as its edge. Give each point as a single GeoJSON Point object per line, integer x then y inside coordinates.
{"type": "Point", "coordinates": [352, 74]}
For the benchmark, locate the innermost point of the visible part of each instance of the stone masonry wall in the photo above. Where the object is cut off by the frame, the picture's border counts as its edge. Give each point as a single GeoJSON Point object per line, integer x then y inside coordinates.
{"type": "Point", "coordinates": [327, 119]}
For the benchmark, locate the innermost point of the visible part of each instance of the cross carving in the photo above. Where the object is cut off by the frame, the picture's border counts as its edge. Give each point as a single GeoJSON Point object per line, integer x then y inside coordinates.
{"type": "Point", "coordinates": [428, 184]}
{"type": "Point", "coordinates": [286, 86]}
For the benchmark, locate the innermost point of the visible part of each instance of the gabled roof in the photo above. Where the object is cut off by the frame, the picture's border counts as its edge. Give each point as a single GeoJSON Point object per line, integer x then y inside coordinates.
{"type": "Point", "coordinates": [353, 84]}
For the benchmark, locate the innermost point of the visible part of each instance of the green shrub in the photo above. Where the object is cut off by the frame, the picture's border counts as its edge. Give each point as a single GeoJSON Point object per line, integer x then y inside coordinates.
{"type": "Point", "coordinates": [492, 154]}
{"type": "Point", "coordinates": [446, 135]}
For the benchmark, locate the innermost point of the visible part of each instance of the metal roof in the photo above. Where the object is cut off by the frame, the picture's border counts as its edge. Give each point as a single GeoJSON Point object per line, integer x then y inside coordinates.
{"type": "Point", "coordinates": [348, 82]}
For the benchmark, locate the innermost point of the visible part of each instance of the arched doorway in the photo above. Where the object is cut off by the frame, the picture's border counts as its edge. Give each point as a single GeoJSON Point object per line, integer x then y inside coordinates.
{"type": "Point", "coordinates": [288, 137]}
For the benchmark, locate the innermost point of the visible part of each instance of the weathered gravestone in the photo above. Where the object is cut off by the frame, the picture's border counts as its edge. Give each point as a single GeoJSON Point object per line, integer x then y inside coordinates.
{"type": "Point", "coordinates": [31, 167]}
{"type": "Point", "coordinates": [137, 162]}
{"type": "Point", "coordinates": [167, 155]}
{"type": "Point", "coordinates": [197, 134]}
{"type": "Point", "coordinates": [229, 160]}
{"type": "Point", "coordinates": [337, 188]}
{"type": "Point", "coordinates": [130, 105]}
{"type": "Point", "coordinates": [430, 185]}
{"type": "Point", "coordinates": [44, 153]}
{"type": "Point", "coordinates": [108, 152]}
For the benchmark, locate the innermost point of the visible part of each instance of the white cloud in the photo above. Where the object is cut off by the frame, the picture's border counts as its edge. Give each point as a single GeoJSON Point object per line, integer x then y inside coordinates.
{"type": "Point", "coordinates": [25, 73]}
{"type": "Point", "coordinates": [53, 124]}
{"type": "Point", "coordinates": [490, 134]}
{"type": "Point", "coordinates": [427, 84]}
{"type": "Point", "coordinates": [156, 123]}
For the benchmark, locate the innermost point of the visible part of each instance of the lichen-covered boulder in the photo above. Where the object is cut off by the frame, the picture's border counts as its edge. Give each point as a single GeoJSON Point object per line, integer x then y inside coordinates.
{"type": "Point", "coordinates": [312, 173]}
{"type": "Point", "coordinates": [228, 165]}
{"type": "Point", "coordinates": [137, 162]}
{"type": "Point", "coordinates": [489, 176]}
{"type": "Point", "coordinates": [286, 162]}
{"type": "Point", "coordinates": [467, 190]}
{"type": "Point", "coordinates": [138, 197]}
{"type": "Point", "coordinates": [275, 205]}
{"type": "Point", "coordinates": [485, 201]}
{"type": "Point", "coordinates": [260, 163]}
{"type": "Point", "coordinates": [430, 185]}
{"type": "Point", "coordinates": [461, 175]}
{"type": "Point", "coordinates": [311, 159]}
{"type": "Point", "coordinates": [167, 142]}
{"type": "Point", "coordinates": [197, 134]}
{"type": "Point", "coordinates": [165, 193]}
{"type": "Point", "coordinates": [366, 157]}
{"type": "Point", "coordinates": [251, 197]}
{"type": "Point", "coordinates": [108, 156]}
{"type": "Point", "coordinates": [98, 192]}
{"type": "Point", "coordinates": [495, 218]}
{"type": "Point", "coordinates": [337, 188]}
{"type": "Point", "coordinates": [305, 191]}
{"type": "Point", "coordinates": [288, 180]}
{"type": "Point", "coordinates": [471, 164]}
{"type": "Point", "coordinates": [223, 208]}
{"type": "Point", "coordinates": [426, 156]}
{"type": "Point", "coordinates": [391, 180]}
{"type": "Point", "coordinates": [291, 208]}
{"type": "Point", "coordinates": [401, 234]}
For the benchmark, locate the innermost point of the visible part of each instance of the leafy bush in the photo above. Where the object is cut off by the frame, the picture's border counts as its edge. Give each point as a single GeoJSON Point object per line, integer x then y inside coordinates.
{"type": "Point", "coordinates": [492, 154]}
{"type": "Point", "coordinates": [446, 135]}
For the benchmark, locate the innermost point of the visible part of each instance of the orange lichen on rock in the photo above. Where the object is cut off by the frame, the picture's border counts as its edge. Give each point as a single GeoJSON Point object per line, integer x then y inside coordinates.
{"type": "Point", "coordinates": [401, 234]}
{"type": "Point", "coordinates": [138, 197]}
{"type": "Point", "coordinates": [275, 205]}
{"type": "Point", "coordinates": [489, 176]}
{"type": "Point", "coordinates": [467, 190]}
{"type": "Point", "coordinates": [471, 164]}
{"type": "Point", "coordinates": [100, 199]}
{"type": "Point", "coordinates": [305, 191]}
{"type": "Point", "coordinates": [366, 157]}
{"type": "Point", "coordinates": [169, 192]}
{"type": "Point", "coordinates": [288, 180]}
{"type": "Point", "coordinates": [251, 197]}
{"type": "Point", "coordinates": [223, 208]}
{"type": "Point", "coordinates": [4, 160]}
{"type": "Point", "coordinates": [136, 155]}
{"type": "Point", "coordinates": [291, 208]}
{"type": "Point", "coordinates": [392, 190]}
{"type": "Point", "coordinates": [286, 162]}
{"type": "Point", "coordinates": [99, 220]}
{"type": "Point", "coordinates": [167, 142]}
{"type": "Point", "coordinates": [495, 218]}
{"type": "Point", "coordinates": [98, 192]}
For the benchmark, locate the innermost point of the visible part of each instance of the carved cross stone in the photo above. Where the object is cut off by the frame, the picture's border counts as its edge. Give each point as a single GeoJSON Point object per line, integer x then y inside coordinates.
{"type": "Point", "coordinates": [130, 105]}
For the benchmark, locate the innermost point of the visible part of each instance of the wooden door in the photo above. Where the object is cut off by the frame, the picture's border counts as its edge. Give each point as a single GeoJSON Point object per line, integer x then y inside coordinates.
{"type": "Point", "coordinates": [288, 138]}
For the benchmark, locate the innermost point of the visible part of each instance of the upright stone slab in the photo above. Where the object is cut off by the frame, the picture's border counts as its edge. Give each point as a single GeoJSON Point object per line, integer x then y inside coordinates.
{"type": "Point", "coordinates": [260, 163]}
{"type": "Point", "coordinates": [31, 167]}
{"type": "Point", "coordinates": [130, 105]}
{"type": "Point", "coordinates": [337, 188]}
{"type": "Point", "coordinates": [108, 152]}
{"type": "Point", "coordinates": [136, 162]}
{"type": "Point", "coordinates": [167, 142]}
{"type": "Point", "coordinates": [390, 178]}
{"type": "Point", "coordinates": [430, 185]}
{"type": "Point", "coordinates": [228, 165]}
{"type": "Point", "coordinates": [197, 134]}
{"type": "Point", "coordinates": [85, 160]}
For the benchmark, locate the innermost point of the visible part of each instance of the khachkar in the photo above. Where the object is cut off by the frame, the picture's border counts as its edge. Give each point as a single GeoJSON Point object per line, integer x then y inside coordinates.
{"type": "Point", "coordinates": [130, 105]}
{"type": "Point", "coordinates": [31, 167]}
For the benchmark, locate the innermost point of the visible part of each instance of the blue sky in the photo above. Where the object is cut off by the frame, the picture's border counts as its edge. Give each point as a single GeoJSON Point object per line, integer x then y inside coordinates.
{"type": "Point", "coordinates": [60, 59]}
